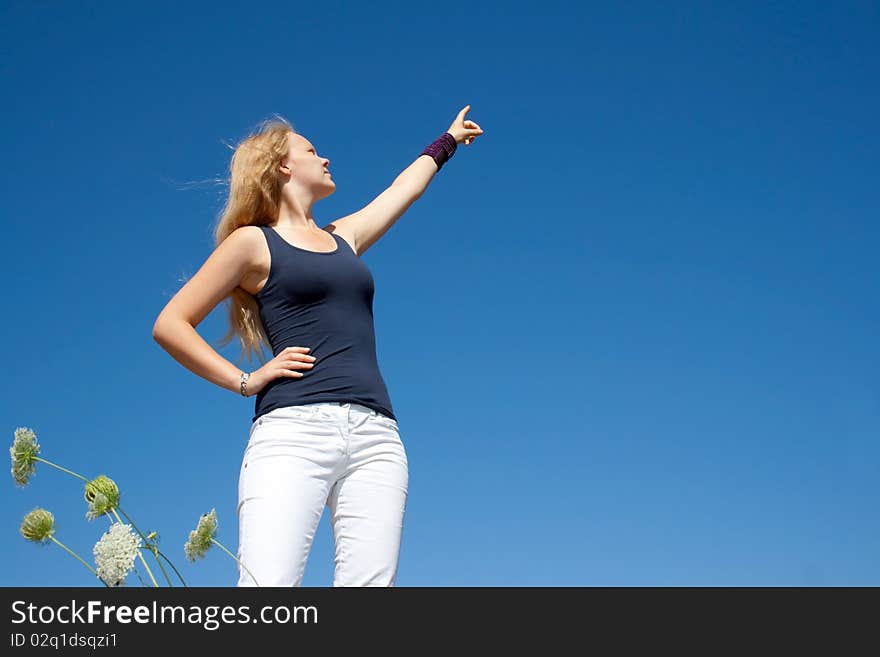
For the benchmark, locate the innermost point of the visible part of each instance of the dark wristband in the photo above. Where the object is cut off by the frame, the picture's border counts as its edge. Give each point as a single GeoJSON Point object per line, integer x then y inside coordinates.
{"type": "Point", "coordinates": [441, 149]}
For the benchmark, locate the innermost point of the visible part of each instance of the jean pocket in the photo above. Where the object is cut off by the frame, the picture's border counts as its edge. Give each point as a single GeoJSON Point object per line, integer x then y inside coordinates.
{"type": "Point", "coordinates": [294, 412]}
{"type": "Point", "coordinates": [386, 421]}
{"type": "Point", "coordinates": [323, 411]}
{"type": "Point", "coordinates": [303, 413]}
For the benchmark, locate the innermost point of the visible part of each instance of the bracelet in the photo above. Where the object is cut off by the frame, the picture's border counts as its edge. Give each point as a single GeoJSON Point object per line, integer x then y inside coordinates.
{"type": "Point", "coordinates": [441, 149]}
{"type": "Point", "coordinates": [244, 377]}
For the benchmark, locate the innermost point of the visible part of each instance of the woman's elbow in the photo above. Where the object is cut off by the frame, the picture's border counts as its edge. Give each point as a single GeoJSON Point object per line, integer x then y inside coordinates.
{"type": "Point", "coordinates": [160, 328]}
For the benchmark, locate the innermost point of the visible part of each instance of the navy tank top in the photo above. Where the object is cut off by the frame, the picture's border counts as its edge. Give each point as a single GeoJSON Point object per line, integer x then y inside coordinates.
{"type": "Point", "coordinates": [321, 300]}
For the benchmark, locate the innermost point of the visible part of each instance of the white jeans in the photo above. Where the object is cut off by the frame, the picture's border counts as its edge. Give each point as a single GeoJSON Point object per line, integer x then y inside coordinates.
{"type": "Point", "coordinates": [299, 459]}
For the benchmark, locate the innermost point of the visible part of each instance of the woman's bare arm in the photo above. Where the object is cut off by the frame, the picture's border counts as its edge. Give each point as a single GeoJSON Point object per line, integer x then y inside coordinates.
{"type": "Point", "coordinates": [175, 327]}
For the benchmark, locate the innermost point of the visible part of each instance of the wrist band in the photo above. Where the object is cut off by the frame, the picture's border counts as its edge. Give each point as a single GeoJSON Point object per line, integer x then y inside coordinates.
{"type": "Point", "coordinates": [244, 377]}
{"type": "Point", "coordinates": [441, 149]}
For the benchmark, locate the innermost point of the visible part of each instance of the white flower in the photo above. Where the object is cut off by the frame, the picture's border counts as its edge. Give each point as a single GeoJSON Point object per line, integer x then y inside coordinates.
{"type": "Point", "coordinates": [201, 538]}
{"type": "Point", "coordinates": [102, 494]}
{"type": "Point", "coordinates": [115, 553]}
{"type": "Point", "coordinates": [38, 526]}
{"type": "Point", "coordinates": [24, 452]}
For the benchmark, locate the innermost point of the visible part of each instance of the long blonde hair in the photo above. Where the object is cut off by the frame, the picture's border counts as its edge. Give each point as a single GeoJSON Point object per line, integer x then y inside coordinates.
{"type": "Point", "coordinates": [254, 199]}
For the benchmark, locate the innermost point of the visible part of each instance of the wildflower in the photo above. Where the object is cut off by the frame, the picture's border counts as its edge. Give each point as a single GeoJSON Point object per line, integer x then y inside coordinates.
{"type": "Point", "coordinates": [202, 536]}
{"type": "Point", "coordinates": [98, 507]}
{"type": "Point", "coordinates": [115, 554]}
{"type": "Point", "coordinates": [24, 451]}
{"type": "Point", "coordinates": [102, 494]}
{"type": "Point", "coordinates": [38, 526]}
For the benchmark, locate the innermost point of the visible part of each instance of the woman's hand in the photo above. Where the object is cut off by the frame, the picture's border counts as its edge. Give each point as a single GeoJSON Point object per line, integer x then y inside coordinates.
{"type": "Point", "coordinates": [284, 364]}
{"type": "Point", "coordinates": [464, 130]}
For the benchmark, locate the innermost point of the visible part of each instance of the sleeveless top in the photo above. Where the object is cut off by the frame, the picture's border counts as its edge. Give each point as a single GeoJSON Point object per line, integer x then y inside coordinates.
{"type": "Point", "coordinates": [321, 300]}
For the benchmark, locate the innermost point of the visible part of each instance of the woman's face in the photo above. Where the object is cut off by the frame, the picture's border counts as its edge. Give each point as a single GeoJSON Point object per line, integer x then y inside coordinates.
{"type": "Point", "coordinates": [307, 168]}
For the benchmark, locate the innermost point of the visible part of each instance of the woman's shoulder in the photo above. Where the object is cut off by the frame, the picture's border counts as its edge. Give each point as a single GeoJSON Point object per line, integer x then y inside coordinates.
{"type": "Point", "coordinates": [251, 237]}
{"type": "Point", "coordinates": [250, 231]}
{"type": "Point", "coordinates": [254, 249]}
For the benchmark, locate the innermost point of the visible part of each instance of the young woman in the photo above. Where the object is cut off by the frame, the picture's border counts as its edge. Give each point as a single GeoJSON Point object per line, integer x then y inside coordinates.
{"type": "Point", "coordinates": [324, 431]}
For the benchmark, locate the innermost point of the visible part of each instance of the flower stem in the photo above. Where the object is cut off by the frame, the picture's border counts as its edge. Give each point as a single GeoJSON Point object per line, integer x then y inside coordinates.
{"type": "Point", "coordinates": [172, 565]}
{"type": "Point", "coordinates": [140, 554]}
{"type": "Point", "coordinates": [62, 545]}
{"type": "Point", "coordinates": [55, 465]}
{"type": "Point", "coordinates": [149, 545]}
{"type": "Point", "coordinates": [140, 579]}
{"type": "Point", "coordinates": [155, 551]}
{"type": "Point", "coordinates": [222, 547]}
{"type": "Point", "coordinates": [149, 572]}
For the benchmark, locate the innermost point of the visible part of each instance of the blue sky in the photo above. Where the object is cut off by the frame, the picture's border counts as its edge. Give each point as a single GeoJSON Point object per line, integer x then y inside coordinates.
{"type": "Point", "coordinates": [630, 335]}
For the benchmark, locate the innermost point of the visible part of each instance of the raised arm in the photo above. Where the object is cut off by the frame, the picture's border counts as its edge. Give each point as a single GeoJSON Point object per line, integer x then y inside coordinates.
{"type": "Point", "coordinates": [370, 223]}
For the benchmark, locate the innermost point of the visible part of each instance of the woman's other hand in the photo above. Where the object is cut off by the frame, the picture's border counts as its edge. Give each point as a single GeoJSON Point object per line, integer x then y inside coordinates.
{"type": "Point", "coordinates": [284, 364]}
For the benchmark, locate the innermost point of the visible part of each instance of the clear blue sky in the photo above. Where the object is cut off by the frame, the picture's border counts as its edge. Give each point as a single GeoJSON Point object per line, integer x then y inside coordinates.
{"type": "Point", "coordinates": [630, 334]}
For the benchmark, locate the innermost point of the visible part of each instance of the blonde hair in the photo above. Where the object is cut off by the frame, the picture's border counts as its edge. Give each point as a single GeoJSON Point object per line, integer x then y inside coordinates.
{"type": "Point", "coordinates": [254, 200]}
